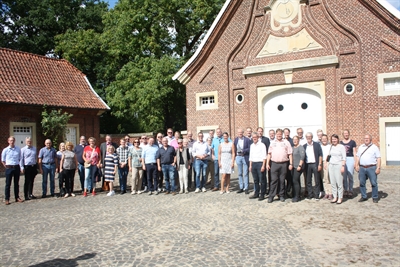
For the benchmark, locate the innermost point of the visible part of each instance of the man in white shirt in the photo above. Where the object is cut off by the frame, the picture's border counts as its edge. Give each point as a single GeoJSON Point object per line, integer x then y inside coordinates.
{"type": "Point", "coordinates": [368, 166]}
{"type": "Point", "coordinates": [200, 152]}
{"type": "Point", "coordinates": [257, 162]}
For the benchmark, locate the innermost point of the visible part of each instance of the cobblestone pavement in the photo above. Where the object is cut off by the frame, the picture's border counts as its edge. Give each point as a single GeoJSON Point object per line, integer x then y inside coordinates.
{"type": "Point", "coordinates": [204, 229]}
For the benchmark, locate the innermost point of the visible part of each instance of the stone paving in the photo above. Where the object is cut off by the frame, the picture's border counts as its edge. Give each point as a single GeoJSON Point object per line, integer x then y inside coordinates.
{"type": "Point", "coordinates": [203, 229]}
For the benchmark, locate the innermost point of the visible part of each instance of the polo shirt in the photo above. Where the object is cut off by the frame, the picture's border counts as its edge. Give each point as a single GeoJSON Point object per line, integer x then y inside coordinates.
{"type": "Point", "coordinates": [166, 155]}
{"type": "Point", "coordinates": [370, 157]}
{"type": "Point", "coordinates": [78, 149]}
{"type": "Point", "coordinates": [280, 150]}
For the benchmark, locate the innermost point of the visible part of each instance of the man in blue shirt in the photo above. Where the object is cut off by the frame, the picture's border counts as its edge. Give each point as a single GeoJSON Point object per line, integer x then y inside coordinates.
{"type": "Point", "coordinates": [47, 166]}
{"type": "Point", "coordinates": [10, 157]}
{"type": "Point", "coordinates": [29, 167]}
{"type": "Point", "coordinates": [150, 165]}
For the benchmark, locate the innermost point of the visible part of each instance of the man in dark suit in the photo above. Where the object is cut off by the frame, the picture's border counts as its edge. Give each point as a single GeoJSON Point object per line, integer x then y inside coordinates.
{"type": "Point", "coordinates": [103, 150]}
{"type": "Point", "coordinates": [242, 150]}
{"type": "Point", "coordinates": [266, 142]}
{"type": "Point", "coordinates": [313, 165]}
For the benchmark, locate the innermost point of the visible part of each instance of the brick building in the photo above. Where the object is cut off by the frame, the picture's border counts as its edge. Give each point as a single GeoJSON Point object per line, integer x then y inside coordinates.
{"type": "Point", "coordinates": [28, 81]}
{"type": "Point", "coordinates": [328, 64]}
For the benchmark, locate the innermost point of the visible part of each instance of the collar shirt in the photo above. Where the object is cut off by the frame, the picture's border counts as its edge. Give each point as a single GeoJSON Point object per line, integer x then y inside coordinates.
{"type": "Point", "coordinates": [290, 140]}
{"type": "Point", "coordinates": [122, 152]}
{"type": "Point", "coordinates": [200, 149]}
{"type": "Point", "coordinates": [159, 144]}
{"type": "Point", "coordinates": [240, 144]}
{"type": "Point", "coordinates": [280, 150]}
{"type": "Point", "coordinates": [129, 145]}
{"type": "Point", "coordinates": [28, 156]}
{"type": "Point", "coordinates": [325, 151]}
{"type": "Point", "coordinates": [258, 152]}
{"type": "Point", "coordinates": [302, 141]}
{"type": "Point", "coordinates": [370, 157]}
{"type": "Point", "coordinates": [310, 153]}
{"type": "Point", "coordinates": [149, 154]}
{"type": "Point", "coordinates": [48, 156]}
{"type": "Point", "coordinates": [78, 150]}
{"type": "Point", "coordinates": [216, 141]}
{"type": "Point", "coordinates": [166, 155]}
{"type": "Point", "coordinates": [11, 155]}
{"type": "Point", "coordinates": [190, 145]}
{"type": "Point", "coordinates": [143, 145]}
{"type": "Point", "coordinates": [170, 139]}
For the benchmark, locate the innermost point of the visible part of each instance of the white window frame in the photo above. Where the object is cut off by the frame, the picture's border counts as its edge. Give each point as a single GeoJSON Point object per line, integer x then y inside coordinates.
{"type": "Point", "coordinates": [207, 95]}
{"type": "Point", "coordinates": [381, 83]}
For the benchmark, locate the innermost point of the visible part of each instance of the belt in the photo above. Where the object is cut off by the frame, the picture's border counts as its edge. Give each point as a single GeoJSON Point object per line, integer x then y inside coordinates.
{"type": "Point", "coordinates": [162, 164]}
{"type": "Point", "coordinates": [368, 166]}
{"type": "Point", "coordinates": [48, 163]}
{"type": "Point", "coordinates": [31, 165]}
{"type": "Point", "coordinates": [11, 166]}
{"type": "Point", "coordinates": [151, 164]}
{"type": "Point", "coordinates": [240, 154]}
{"type": "Point", "coordinates": [280, 162]}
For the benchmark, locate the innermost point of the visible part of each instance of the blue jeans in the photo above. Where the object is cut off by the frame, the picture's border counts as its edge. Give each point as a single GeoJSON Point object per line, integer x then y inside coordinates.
{"type": "Point", "coordinates": [201, 169]}
{"type": "Point", "coordinates": [90, 179]}
{"type": "Point", "coordinates": [363, 175]}
{"type": "Point", "coordinates": [169, 177]}
{"type": "Point", "coordinates": [123, 176]}
{"type": "Point", "coordinates": [348, 178]}
{"type": "Point", "coordinates": [10, 174]}
{"type": "Point", "coordinates": [81, 173]}
{"type": "Point", "coordinates": [243, 172]}
{"type": "Point", "coordinates": [48, 170]}
{"type": "Point", "coordinates": [216, 174]}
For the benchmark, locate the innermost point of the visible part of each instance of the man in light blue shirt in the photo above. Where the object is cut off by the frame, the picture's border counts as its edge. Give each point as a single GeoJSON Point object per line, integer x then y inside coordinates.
{"type": "Point", "coordinates": [47, 165]}
{"type": "Point", "coordinates": [10, 157]}
{"type": "Point", "coordinates": [28, 167]}
{"type": "Point", "coordinates": [216, 141]}
{"type": "Point", "coordinates": [200, 152]}
{"type": "Point", "coordinates": [150, 165]}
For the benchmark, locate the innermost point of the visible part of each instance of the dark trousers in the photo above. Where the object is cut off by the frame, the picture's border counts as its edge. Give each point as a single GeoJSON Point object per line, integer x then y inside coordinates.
{"type": "Point", "coordinates": [81, 173]}
{"type": "Point", "coordinates": [312, 169]}
{"type": "Point", "coordinates": [123, 176]}
{"type": "Point", "coordinates": [296, 184]}
{"type": "Point", "coordinates": [69, 180]}
{"type": "Point", "coordinates": [269, 179]}
{"type": "Point", "coordinates": [10, 174]}
{"type": "Point", "coordinates": [30, 174]}
{"type": "Point", "coordinates": [160, 178]}
{"type": "Point", "coordinates": [144, 179]}
{"type": "Point", "coordinates": [289, 182]}
{"type": "Point", "coordinates": [278, 175]}
{"type": "Point", "coordinates": [192, 175]}
{"type": "Point", "coordinates": [260, 181]}
{"type": "Point", "coordinates": [151, 177]}
{"type": "Point", "coordinates": [61, 180]}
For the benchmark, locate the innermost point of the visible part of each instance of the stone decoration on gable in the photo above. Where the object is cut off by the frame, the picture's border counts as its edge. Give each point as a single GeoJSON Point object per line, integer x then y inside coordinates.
{"type": "Point", "coordinates": [286, 14]}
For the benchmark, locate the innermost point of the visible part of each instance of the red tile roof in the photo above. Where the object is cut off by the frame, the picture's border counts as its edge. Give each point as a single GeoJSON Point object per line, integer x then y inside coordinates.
{"type": "Point", "coordinates": [37, 80]}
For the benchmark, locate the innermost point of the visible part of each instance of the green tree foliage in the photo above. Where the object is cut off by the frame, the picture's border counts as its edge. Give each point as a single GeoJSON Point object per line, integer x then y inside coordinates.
{"type": "Point", "coordinates": [131, 62]}
{"type": "Point", "coordinates": [31, 25]}
{"type": "Point", "coordinates": [54, 124]}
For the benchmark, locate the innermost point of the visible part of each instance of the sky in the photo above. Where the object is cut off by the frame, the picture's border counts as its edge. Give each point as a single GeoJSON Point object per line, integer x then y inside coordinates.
{"type": "Point", "coordinates": [395, 3]}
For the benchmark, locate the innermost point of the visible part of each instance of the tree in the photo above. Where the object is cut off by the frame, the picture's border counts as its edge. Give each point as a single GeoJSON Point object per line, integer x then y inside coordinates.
{"type": "Point", "coordinates": [54, 124]}
{"type": "Point", "coordinates": [31, 25]}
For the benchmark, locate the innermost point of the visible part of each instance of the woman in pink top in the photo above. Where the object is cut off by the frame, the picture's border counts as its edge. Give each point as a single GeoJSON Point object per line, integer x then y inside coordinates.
{"type": "Point", "coordinates": [92, 157]}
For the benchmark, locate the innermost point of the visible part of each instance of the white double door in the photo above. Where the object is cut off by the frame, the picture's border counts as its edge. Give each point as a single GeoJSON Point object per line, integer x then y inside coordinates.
{"type": "Point", "coordinates": [393, 143]}
{"type": "Point", "coordinates": [293, 108]}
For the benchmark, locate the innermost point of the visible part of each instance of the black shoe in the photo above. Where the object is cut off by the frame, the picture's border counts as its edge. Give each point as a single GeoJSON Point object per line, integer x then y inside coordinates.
{"type": "Point", "coordinates": [261, 198]}
{"type": "Point", "coordinates": [52, 195]}
{"type": "Point", "coordinates": [27, 198]}
{"type": "Point", "coordinates": [253, 197]}
{"type": "Point", "coordinates": [362, 199]}
{"type": "Point", "coordinates": [43, 196]}
{"type": "Point", "coordinates": [122, 192]}
{"type": "Point", "coordinates": [295, 200]}
{"type": "Point", "coordinates": [282, 199]}
{"type": "Point", "coordinates": [246, 191]}
{"type": "Point", "coordinates": [240, 191]}
{"type": "Point", "coordinates": [375, 200]}
{"type": "Point", "coordinates": [32, 197]}
{"type": "Point", "coordinates": [270, 200]}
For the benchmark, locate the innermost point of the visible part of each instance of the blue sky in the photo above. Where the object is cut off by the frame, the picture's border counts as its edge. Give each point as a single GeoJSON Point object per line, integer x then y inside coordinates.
{"type": "Point", "coordinates": [395, 3]}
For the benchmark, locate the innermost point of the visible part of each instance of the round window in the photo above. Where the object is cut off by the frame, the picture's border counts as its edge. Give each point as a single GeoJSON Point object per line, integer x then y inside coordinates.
{"type": "Point", "coordinates": [280, 107]}
{"type": "Point", "coordinates": [304, 106]}
{"type": "Point", "coordinates": [239, 98]}
{"type": "Point", "coordinates": [349, 88]}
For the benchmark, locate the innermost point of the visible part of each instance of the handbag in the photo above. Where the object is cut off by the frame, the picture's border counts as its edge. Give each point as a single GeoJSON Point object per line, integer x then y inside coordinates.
{"type": "Point", "coordinates": [328, 158]}
{"type": "Point", "coordinates": [87, 165]}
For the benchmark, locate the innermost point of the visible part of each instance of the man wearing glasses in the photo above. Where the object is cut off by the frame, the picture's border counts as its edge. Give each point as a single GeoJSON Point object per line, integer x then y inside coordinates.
{"type": "Point", "coordinates": [170, 136]}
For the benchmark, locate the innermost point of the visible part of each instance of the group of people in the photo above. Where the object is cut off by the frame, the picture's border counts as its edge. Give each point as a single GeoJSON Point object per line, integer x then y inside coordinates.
{"type": "Point", "coordinates": [193, 164]}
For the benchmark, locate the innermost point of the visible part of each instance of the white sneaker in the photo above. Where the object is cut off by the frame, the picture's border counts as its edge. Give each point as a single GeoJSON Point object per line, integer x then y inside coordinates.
{"type": "Point", "coordinates": [228, 192]}
{"type": "Point", "coordinates": [109, 194]}
{"type": "Point", "coordinates": [112, 193]}
{"type": "Point", "coordinates": [221, 192]}
{"type": "Point", "coordinates": [72, 194]}
{"type": "Point", "coordinates": [145, 189]}
{"type": "Point", "coordinates": [197, 190]}
{"type": "Point", "coordinates": [186, 191]}
{"type": "Point", "coordinates": [181, 192]}
{"type": "Point", "coordinates": [203, 189]}
{"type": "Point", "coordinates": [66, 195]}
{"type": "Point", "coordinates": [133, 192]}
{"type": "Point", "coordinates": [139, 192]}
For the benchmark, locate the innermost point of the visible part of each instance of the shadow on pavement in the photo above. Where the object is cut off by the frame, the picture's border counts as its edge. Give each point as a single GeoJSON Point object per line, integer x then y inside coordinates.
{"type": "Point", "coordinates": [65, 262]}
